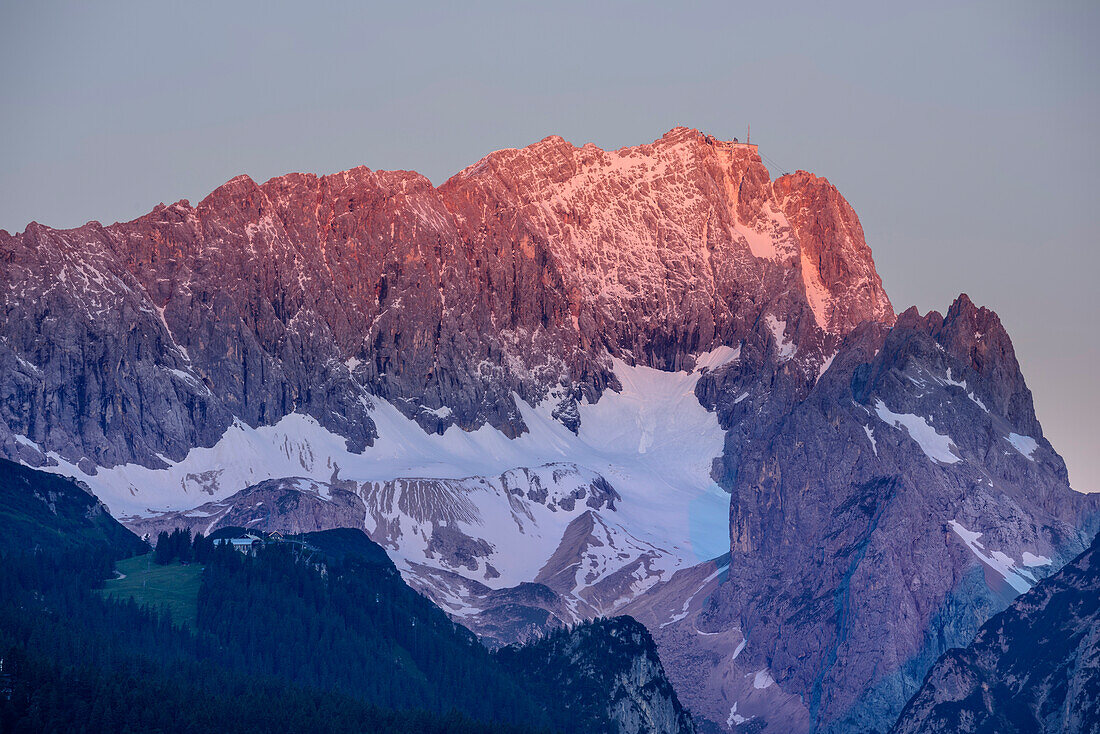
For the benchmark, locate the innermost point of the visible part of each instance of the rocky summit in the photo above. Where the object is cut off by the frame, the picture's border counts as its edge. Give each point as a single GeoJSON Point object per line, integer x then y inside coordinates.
{"type": "Point", "coordinates": [521, 275]}
{"type": "Point", "coordinates": [566, 384]}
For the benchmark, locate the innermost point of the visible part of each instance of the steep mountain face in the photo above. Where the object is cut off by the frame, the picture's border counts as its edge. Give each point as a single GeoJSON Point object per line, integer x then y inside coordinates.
{"type": "Point", "coordinates": [521, 275]}
{"type": "Point", "coordinates": [1035, 667]}
{"type": "Point", "coordinates": [568, 383]}
{"type": "Point", "coordinates": [909, 498]}
{"type": "Point", "coordinates": [606, 671]}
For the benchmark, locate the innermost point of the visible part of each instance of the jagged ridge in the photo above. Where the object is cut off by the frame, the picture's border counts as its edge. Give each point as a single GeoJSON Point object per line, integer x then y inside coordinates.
{"type": "Point", "coordinates": [522, 274]}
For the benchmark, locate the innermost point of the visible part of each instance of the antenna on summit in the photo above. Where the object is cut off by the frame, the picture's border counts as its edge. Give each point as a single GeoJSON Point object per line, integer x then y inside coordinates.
{"type": "Point", "coordinates": [747, 143]}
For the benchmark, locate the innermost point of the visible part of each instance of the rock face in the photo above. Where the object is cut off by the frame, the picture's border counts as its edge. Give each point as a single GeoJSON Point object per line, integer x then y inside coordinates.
{"type": "Point", "coordinates": [288, 505]}
{"type": "Point", "coordinates": [1035, 667]}
{"type": "Point", "coordinates": [607, 670]}
{"type": "Point", "coordinates": [521, 275]}
{"type": "Point", "coordinates": [906, 500]}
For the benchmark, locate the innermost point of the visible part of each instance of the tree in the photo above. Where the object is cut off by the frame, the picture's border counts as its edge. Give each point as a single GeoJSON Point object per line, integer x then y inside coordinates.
{"type": "Point", "coordinates": [163, 554]}
{"type": "Point", "coordinates": [183, 545]}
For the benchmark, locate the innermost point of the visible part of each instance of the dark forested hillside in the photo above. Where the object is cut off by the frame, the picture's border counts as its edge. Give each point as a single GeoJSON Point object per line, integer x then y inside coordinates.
{"type": "Point", "coordinates": [353, 625]}
{"type": "Point", "coordinates": [52, 513]}
{"type": "Point", "coordinates": [330, 640]}
{"type": "Point", "coordinates": [317, 632]}
{"type": "Point", "coordinates": [73, 661]}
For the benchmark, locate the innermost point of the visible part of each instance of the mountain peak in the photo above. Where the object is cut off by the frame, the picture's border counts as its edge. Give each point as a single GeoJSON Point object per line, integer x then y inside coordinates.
{"type": "Point", "coordinates": [547, 261]}
{"type": "Point", "coordinates": [974, 335]}
{"type": "Point", "coordinates": [682, 134]}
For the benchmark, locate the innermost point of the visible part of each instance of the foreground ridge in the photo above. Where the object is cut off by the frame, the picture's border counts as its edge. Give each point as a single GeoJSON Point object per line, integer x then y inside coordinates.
{"type": "Point", "coordinates": [1033, 667]}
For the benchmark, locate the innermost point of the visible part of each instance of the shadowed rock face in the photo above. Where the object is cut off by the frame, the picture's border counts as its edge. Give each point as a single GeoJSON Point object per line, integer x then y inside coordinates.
{"type": "Point", "coordinates": [521, 274]}
{"type": "Point", "coordinates": [608, 670]}
{"type": "Point", "coordinates": [1035, 667]}
{"type": "Point", "coordinates": [504, 616]}
{"type": "Point", "coordinates": [907, 499]}
{"type": "Point", "coordinates": [288, 505]}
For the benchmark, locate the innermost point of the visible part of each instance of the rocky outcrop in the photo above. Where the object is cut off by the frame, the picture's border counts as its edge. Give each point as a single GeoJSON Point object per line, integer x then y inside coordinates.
{"type": "Point", "coordinates": [906, 500]}
{"type": "Point", "coordinates": [606, 671]}
{"type": "Point", "coordinates": [601, 565]}
{"type": "Point", "coordinates": [521, 275]}
{"type": "Point", "coordinates": [498, 616]}
{"type": "Point", "coordinates": [288, 505]}
{"type": "Point", "coordinates": [1035, 667]}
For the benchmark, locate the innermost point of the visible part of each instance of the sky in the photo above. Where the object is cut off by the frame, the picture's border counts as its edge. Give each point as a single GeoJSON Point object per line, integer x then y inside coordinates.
{"type": "Point", "coordinates": [964, 134]}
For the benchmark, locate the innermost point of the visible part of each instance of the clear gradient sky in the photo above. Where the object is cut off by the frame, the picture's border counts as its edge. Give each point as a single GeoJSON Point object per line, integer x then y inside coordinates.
{"type": "Point", "coordinates": [964, 134]}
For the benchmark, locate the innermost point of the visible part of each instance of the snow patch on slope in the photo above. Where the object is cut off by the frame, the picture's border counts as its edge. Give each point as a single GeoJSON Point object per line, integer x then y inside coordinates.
{"type": "Point", "coordinates": [762, 679]}
{"type": "Point", "coordinates": [825, 365]}
{"type": "Point", "coordinates": [998, 561]}
{"type": "Point", "coordinates": [969, 393]}
{"type": "Point", "coordinates": [936, 446]}
{"type": "Point", "coordinates": [1026, 445]}
{"type": "Point", "coordinates": [761, 244]}
{"type": "Point", "coordinates": [736, 719]}
{"type": "Point", "coordinates": [1032, 561]}
{"type": "Point", "coordinates": [784, 349]}
{"type": "Point", "coordinates": [871, 437]}
{"type": "Point", "coordinates": [718, 357]}
{"type": "Point", "coordinates": [818, 296]}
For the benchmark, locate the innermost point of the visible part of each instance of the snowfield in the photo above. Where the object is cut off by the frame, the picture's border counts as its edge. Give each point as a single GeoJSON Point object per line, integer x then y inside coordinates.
{"type": "Point", "coordinates": [652, 441]}
{"type": "Point", "coordinates": [1026, 445]}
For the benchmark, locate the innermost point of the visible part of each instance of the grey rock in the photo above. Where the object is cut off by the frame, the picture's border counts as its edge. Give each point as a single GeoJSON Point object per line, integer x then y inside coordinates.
{"type": "Point", "coordinates": [1034, 667]}
{"type": "Point", "coordinates": [609, 668]}
{"type": "Point", "coordinates": [460, 549]}
{"type": "Point", "coordinates": [288, 505]}
{"type": "Point", "coordinates": [848, 521]}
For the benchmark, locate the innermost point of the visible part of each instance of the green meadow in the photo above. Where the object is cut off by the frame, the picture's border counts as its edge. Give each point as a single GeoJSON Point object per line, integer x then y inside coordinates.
{"type": "Point", "coordinates": [174, 587]}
